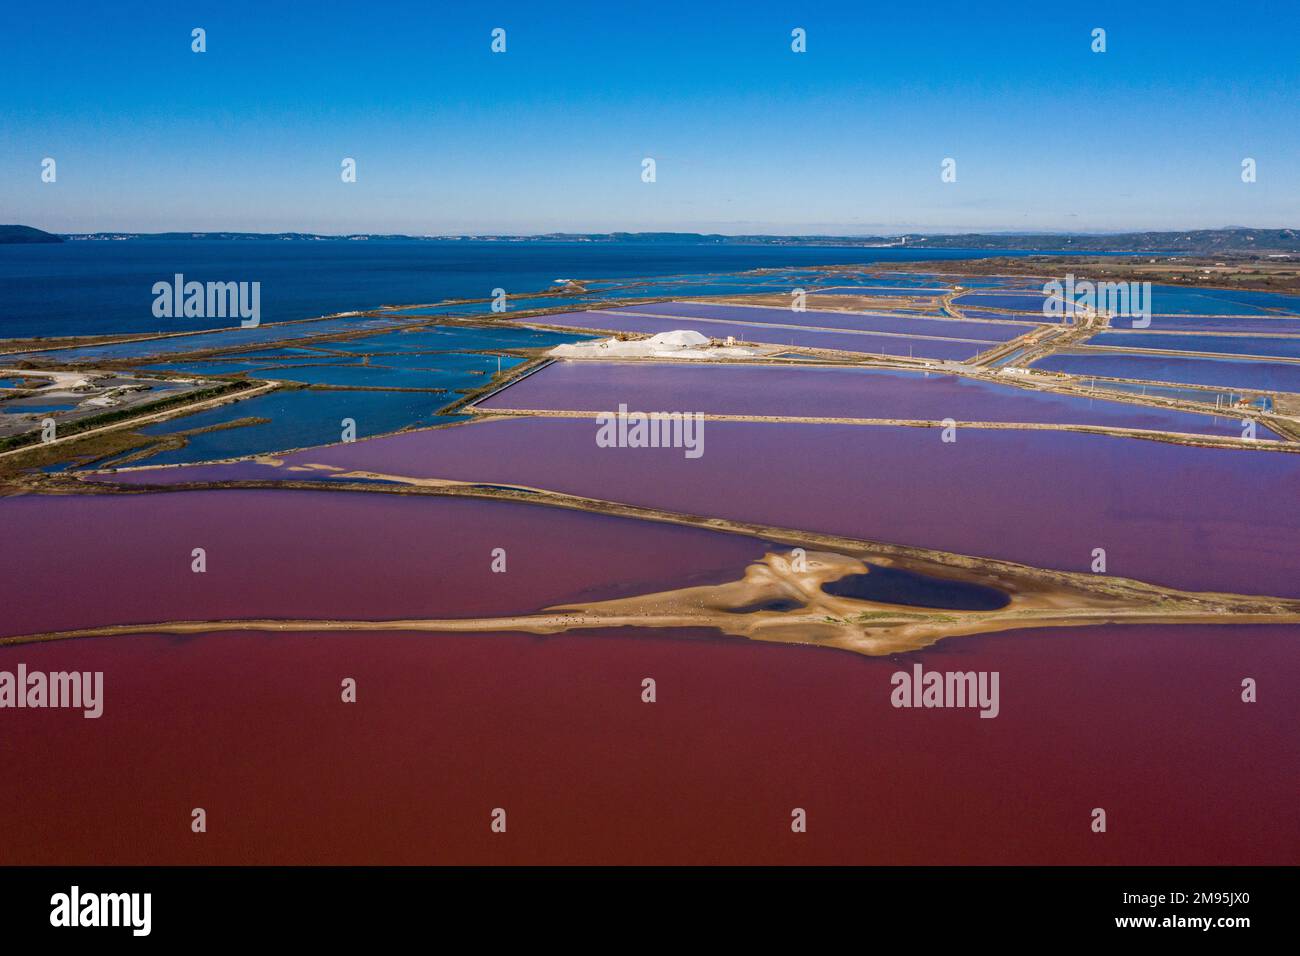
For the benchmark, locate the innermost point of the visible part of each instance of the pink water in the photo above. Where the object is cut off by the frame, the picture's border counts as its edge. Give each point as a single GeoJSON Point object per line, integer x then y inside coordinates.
{"type": "Point", "coordinates": [306, 554]}
{"type": "Point", "coordinates": [828, 393]}
{"type": "Point", "coordinates": [1144, 722]}
{"type": "Point", "coordinates": [1195, 518]}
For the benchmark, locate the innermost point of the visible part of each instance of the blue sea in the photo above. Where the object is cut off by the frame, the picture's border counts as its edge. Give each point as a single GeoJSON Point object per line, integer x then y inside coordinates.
{"type": "Point", "coordinates": [100, 287]}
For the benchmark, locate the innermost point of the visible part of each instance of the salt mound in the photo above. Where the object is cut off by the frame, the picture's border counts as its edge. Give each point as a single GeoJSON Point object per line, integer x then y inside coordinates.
{"type": "Point", "coordinates": [680, 343]}
{"type": "Point", "coordinates": [678, 339]}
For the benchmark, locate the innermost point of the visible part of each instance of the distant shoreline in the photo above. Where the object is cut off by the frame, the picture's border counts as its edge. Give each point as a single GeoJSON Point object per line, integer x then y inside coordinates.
{"type": "Point", "coordinates": [1224, 242]}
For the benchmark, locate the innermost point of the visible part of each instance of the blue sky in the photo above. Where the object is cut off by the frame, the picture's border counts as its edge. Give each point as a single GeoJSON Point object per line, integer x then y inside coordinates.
{"type": "Point", "coordinates": [747, 135]}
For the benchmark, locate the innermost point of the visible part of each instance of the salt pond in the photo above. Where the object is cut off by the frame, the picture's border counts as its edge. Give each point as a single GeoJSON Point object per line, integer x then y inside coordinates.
{"type": "Point", "coordinates": [298, 418]}
{"type": "Point", "coordinates": [1046, 498]}
{"type": "Point", "coordinates": [847, 341]}
{"type": "Point", "coordinates": [775, 390]}
{"type": "Point", "coordinates": [1226, 344]}
{"type": "Point", "coordinates": [1236, 373]}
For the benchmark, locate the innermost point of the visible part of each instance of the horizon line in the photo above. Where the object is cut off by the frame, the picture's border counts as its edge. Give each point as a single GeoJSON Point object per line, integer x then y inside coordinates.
{"type": "Point", "coordinates": [672, 232]}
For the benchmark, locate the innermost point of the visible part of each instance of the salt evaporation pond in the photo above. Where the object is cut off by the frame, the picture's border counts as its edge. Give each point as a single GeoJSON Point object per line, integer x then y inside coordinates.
{"type": "Point", "coordinates": [458, 338]}
{"type": "Point", "coordinates": [447, 370]}
{"type": "Point", "coordinates": [1045, 498]}
{"type": "Point", "coordinates": [882, 290]}
{"type": "Point", "coordinates": [441, 360]}
{"type": "Point", "coordinates": [1171, 300]}
{"type": "Point", "coordinates": [767, 334]}
{"type": "Point", "coordinates": [687, 288]}
{"type": "Point", "coordinates": [233, 367]}
{"type": "Point", "coordinates": [1186, 392]}
{"type": "Point", "coordinates": [1217, 323]}
{"type": "Point", "coordinates": [777, 390]}
{"type": "Point", "coordinates": [1024, 302]}
{"type": "Point", "coordinates": [1038, 320]}
{"type": "Point", "coordinates": [1164, 300]}
{"type": "Point", "coordinates": [298, 418]}
{"type": "Point", "coordinates": [203, 341]}
{"type": "Point", "coordinates": [270, 555]}
{"type": "Point", "coordinates": [954, 279]}
{"type": "Point", "coordinates": [1226, 344]}
{"type": "Point", "coordinates": [1270, 376]}
{"type": "Point", "coordinates": [863, 321]}
{"type": "Point", "coordinates": [1093, 706]}
{"type": "Point", "coordinates": [24, 406]}
{"type": "Point", "coordinates": [838, 281]}
{"type": "Point", "coordinates": [513, 304]}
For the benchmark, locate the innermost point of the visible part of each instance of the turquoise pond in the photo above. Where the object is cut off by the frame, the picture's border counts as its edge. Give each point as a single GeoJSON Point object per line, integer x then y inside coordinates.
{"type": "Point", "coordinates": [459, 337]}
{"type": "Point", "coordinates": [228, 367]}
{"type": "Point", "coordinates": [883, 290]}
{"type": "Point", "coordinates": [287, 354]}
{"type": "Point", "coordinates": [693, 288]}
{"type": "Point", "coordinates": [439, 360]}
{"type": "Point", "coordinates": [394, 370]}
{"type": "Point", "coordinates": [447, 371]}
{"type": "Point", "coordinates": [204, 341]}
{"type": "Point", "coordinates": [520, 304]}
{"type": "Point", "coordinates": [615, 292]}
{"type": "Point", "coordinates": [953, 280]}
{"type": "Point", "coordinates": [298, 418]}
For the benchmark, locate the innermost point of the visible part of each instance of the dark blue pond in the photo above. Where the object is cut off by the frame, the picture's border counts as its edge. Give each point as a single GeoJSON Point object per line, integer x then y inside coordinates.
{"type": "Point", "coordinates": [896, 586]}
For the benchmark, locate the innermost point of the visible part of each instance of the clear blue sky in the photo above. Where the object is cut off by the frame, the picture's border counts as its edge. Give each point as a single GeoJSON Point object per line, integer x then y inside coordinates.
{"type": "Point", "coordinates": [747, 136]}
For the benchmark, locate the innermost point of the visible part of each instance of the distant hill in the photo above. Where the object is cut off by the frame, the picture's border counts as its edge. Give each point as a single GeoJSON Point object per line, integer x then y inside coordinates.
{"type": "Point", "coordinates": [1236, 241]}
{"type": "Point", "coordinates": [1205, 242]}
{"type": "Point", "coordinates": [232, 236]}
{"type": "Point", "coordinates": [25, 234]}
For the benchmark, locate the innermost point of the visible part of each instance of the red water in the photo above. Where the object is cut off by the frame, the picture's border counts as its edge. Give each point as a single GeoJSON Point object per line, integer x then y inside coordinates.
{"type": "Point", "coordinates": [289, 554]}
{"type": "Point", "coordinates": [1145, 722]}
